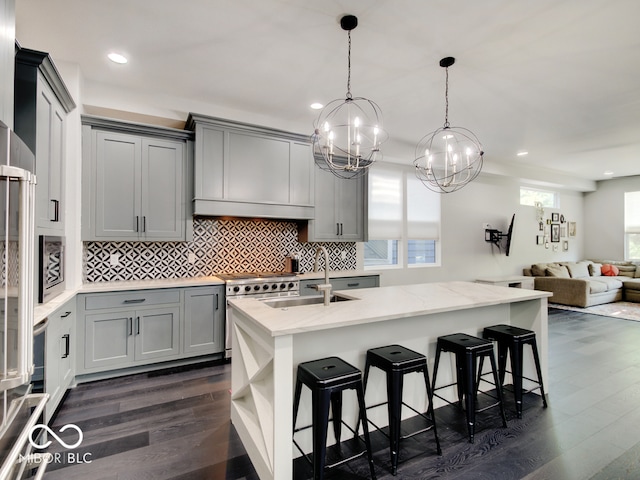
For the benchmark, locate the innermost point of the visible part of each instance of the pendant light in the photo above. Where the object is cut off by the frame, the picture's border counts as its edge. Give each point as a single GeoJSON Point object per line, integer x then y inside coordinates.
{"type": "Point", "coordinates": [450, 157]}
{"type": "Point", "coordinates": [348, 132]}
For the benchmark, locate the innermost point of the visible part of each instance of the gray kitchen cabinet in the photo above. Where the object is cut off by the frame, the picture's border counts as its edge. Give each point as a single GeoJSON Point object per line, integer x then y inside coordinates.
{"type": "Point", "coordinates": [307, 286]}
{"type": "Point", "coordinates": [130, 328]}
{"type": "Point", "coordinates": [204, 316]}
{"type": "Point", "coordinates": [41, 105]}
{"type": "Point", "coordinates": [251, 171]}
{"type": "Point", "coordinates": [340, 210]}
{"type": "Point", "coordinates": [134, 183]}
{"type": "Point", "coordinates": [59, 348]}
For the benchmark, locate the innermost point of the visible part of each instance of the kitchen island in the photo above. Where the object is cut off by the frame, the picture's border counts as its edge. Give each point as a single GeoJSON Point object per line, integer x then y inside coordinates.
{"type": "Point", "coordinates": [268, 344]}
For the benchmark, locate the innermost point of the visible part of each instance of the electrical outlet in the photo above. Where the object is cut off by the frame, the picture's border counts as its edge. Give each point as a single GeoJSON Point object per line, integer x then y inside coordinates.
{"type": "Point", "coordinates": [114, 259]}
{"type": "Point", "coordinates": [191, 258]}
{"type": "Point", "coordinates": [486, 226]}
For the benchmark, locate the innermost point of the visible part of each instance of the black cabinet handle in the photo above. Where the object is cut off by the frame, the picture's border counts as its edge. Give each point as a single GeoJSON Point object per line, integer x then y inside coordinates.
{"type": "Point", "coordinates": [134, 300]}
{"type": "Point", "coordinates": [337, 229]}
{"type": "Point", "coordinates": [353, 284]}
{"type": "Point", "coordinates": [311, 286]}
{"type": "Point", "coordinates": [217, 301]}
{"type": "Point", "coordinates": [65, 314]}
{"type": "Point", "coordinates": [56, 210]}
{"type": "Point", "coordinates": [130, 326]}
{"type": "Point", "coordinates": [137, 325]}
{"type": "Point", "coordinates": [67, 343]}
{"type": "Point", "coordinates": [137, 223]}
{"type": "Point", "coordinates": [144, 223]}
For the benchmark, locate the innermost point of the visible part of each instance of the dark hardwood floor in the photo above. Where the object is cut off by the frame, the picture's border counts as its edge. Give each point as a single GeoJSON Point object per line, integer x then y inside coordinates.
{"type": "Point", "coordinates": [175, 424]}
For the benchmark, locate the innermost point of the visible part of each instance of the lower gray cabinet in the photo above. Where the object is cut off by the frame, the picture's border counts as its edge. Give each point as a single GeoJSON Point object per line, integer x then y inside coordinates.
{"type": "Point", "coordinates": [140, 327]}
{"type": "Point", "coordinates": [204, 315]}
{"type": "Point", "coordinates": [307, 287]}
{"type": "Point", "coordinates": [59, 372]}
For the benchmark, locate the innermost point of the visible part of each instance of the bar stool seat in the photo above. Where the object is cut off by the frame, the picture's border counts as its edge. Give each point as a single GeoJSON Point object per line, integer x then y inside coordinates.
{"type": "Point", "coordinates": [511, 340]}
{"type": "Point", "coordinates": [327, 378]}
{"type": "Point", "coordinates": [397, 361]}
{"type": "Point", "coordinates": [467, 349]}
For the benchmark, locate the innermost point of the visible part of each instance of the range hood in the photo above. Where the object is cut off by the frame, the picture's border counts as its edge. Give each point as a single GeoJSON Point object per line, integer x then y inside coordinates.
{"type": "Point", "coordinates": [243, 170]}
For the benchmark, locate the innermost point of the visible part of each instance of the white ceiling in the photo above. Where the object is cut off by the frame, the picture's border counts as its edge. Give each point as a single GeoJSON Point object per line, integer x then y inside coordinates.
{"type": "Point", "coordinates": [557, 78]}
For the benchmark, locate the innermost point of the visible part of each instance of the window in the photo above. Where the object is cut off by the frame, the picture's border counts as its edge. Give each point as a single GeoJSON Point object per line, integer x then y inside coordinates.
{"type": "Point", "coordinates": [529, 196]}
{"type": "Point", "coordinates": [632, 225]}
{"type": "Point", "coordinates": [404, 220]}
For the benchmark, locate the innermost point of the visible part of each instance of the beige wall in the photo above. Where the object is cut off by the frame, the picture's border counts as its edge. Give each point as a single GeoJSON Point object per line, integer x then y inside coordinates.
{"type": "Point", "coordinates": [604, 228]}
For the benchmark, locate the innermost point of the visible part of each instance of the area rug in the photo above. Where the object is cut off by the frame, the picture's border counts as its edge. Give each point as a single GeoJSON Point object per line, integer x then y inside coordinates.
{"type": "Point", "coordinates": [625, 310]}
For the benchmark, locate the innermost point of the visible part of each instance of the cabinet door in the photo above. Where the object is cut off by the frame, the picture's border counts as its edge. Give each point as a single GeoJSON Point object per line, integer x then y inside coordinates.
{"type": "Point", "coordinates": [204, 316]}
{"type": "Point", "coordinates": [162, 179]}
{"type": "Point", "coordinates": [117, 182]}
{"type": "Point", "coordinates": [157, 333]}
{"type": "Point", "coordinates": [109, 339]}
{"type": "Point", "coordinates": [58, 357]}
{"type": "Point", "coordinates": [49, 158]}
{"type": "Point", "coordinates": [350, 209]}
{"type": "Point", "coordinates": [325, 224]}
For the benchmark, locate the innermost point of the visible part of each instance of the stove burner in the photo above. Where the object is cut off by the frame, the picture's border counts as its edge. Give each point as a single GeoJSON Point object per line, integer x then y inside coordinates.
{"type": "Point", "coordinates": [262, 284]}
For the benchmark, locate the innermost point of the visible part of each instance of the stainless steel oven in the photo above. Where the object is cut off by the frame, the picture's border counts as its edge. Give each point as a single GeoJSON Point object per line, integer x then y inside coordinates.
{"type": "Point", "coordinates": [256, 285]}
{"type": "Point", "coordinates": [51, 279]}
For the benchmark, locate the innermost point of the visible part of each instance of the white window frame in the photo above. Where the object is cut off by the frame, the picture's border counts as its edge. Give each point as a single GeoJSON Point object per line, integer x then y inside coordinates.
{"type": "Point", "coordinates": [402, 260]}
{"type": "Point", "coordinates": [631, 221]}
{"type": "Point", "coordinates": [556, 196]}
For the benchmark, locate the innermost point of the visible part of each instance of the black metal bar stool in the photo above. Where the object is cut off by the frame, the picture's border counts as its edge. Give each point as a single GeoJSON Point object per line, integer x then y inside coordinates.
{"type": "Point", "coordinates": [511, 340]}
{"type": "Point", "coordinates": [396, 361]}
{"type": "Point", "coordinates": [327, 378]}
{"type": "Point", "coordinates": [467, 349]}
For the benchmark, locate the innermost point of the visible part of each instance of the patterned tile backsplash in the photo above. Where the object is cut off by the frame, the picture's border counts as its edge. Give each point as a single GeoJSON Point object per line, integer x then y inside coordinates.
{"type": "Point", "coordinates": [219, 246]}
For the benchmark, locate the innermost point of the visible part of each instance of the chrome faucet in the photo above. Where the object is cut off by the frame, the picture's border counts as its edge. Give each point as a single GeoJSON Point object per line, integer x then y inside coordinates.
{"type": "Point", "coordinates": [325, 288]}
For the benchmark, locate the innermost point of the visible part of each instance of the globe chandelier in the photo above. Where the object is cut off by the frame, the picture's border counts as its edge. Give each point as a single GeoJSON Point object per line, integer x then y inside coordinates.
{"type": "Point", "coordinates": [348, 132]}
{"type": "Point", "coordinates": [450, 157]}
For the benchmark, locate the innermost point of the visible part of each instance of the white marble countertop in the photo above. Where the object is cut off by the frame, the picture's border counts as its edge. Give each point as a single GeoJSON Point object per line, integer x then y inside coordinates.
{"type": "Point", "coordinates": [41, 312]}
{"type": "Point", "coordinates": [379, 304]}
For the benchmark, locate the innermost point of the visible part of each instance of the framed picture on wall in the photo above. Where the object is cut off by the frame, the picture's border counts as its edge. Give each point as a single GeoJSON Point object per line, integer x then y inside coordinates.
{"type": "Point", "coordinates": [563, 231]}
{"type": "Point", "coordinates": [539, 239]}
{"type": "Point", "coordinates": [565, 246]}
{"type": "Point", "coordinates": [555, 232]}
{"type": "Point", "coordinates": [555, 217]}
{"type": "Point", "coordinates": [572, 229]}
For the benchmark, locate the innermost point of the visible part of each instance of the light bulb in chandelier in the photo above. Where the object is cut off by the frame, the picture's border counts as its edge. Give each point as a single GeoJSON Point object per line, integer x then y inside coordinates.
{"type": "Point", "coordinates": [450, 157]}
{"type": "Point", "coordinates": [348, 132]}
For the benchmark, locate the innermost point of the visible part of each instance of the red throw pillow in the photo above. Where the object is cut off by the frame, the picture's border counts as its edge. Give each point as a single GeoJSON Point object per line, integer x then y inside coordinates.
{"type": "Point", "coordinates": [610, 270]}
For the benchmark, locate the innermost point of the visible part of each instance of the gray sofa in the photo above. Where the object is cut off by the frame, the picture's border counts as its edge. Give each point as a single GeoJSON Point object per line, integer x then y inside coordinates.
{"type": "Point", "coordinates": [581, 284]}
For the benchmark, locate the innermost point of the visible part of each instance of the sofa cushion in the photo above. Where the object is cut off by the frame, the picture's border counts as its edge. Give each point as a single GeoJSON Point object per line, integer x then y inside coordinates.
{"type": "Point", "coordinates": [595, 269]}
{"type": "Point", "coordinates": [631, 283]}
{"type": "Point", "coordinates": [611, 283]}
{"type": "Point", "coordinates": [609, 270]}
{"type": "Point", "coordinates": [539, 269]}
{"type": "Point", "coordinates": [637, 274]}
{"type": "Point", "coordinates": [627, 270]}
{"type": "Point", "coordinates": [597, 287]}
{"type": "Point", "coordinates": [578, 270]}
{"type": "Point", "coordinates": [559, 271]}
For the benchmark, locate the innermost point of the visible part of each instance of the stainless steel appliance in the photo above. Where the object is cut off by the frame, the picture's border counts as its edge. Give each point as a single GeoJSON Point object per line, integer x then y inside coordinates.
{"type": "Point", "coordinates": [256, 285]}
{"type": "Point", "coordinates": [50, 267]}
{"type": "Point", "coordinates": [19, 408]}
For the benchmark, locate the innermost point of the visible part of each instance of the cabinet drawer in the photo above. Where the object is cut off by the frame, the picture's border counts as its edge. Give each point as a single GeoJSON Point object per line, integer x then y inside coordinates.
{"type": "Point", "coordinates": [354, 282]}
{"type": "Point", "coordinates": [139, 298]}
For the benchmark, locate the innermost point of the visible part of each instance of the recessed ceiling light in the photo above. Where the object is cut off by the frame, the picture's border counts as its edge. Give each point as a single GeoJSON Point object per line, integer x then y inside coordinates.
{"type": "Point", "coordinates": [608, 173]}
{"type": "Point", "coordinates": [522, 154]}
{"type": "Point", "coordinates": [117, 58]}
{"type": "Point", "coordinates": [316, 106]}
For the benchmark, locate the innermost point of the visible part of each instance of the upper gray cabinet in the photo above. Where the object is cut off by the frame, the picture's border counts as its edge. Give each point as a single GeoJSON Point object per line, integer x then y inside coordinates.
{"type": "Point", "coordinates": [135, 182]}
{"type": "Point", "coordinates": [341, 210]}
{"type": "Point", "coordinates": [42, 102]}
{"type": "Point", "coordinates": [250, 171]}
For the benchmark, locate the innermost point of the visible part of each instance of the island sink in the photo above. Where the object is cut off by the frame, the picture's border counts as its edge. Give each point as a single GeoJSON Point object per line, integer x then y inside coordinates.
{"type": "Point", "coordinates": [287, 302]}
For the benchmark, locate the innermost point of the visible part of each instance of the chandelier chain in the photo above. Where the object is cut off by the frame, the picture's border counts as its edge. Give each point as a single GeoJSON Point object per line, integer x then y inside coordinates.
{"type": "Point", "coordinates": [349, 96]}
{"type": "Point", "coordinates": [446, 98]}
